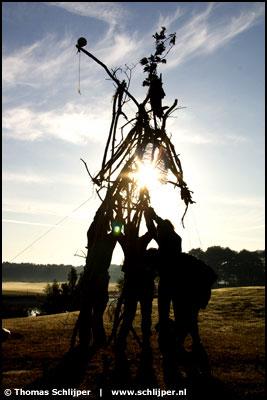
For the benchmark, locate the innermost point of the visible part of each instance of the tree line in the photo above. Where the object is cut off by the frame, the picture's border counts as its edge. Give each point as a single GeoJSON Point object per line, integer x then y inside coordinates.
{"type": "Point", "coordinates": [243, 268]}
{"type": "Point", "coordinates": [63, 297]}
{"type": "Point", "coordinates": [233, 268]}
{"type": "Point", "coordinates": [30, 272]}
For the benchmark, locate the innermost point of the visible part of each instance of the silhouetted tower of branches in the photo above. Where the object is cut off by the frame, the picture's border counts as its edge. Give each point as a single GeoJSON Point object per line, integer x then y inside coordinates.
{"type": "Point", "coordinates": [145, 141]}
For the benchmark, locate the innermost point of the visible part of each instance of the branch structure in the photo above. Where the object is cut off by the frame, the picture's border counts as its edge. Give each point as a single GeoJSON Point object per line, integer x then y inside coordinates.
{"type": "Point", "coordinates": [145, 141]}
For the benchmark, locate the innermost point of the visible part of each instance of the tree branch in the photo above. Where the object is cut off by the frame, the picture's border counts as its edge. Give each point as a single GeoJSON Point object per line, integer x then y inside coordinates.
{"type": "Point", "coordinates": [167, 113]}
{"type": "Point", "coordinates": [87, 170]}
{"type": "Point", "coordinates": [108, 72]}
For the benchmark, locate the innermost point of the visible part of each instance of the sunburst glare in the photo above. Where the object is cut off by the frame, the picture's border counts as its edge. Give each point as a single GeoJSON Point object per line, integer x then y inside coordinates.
{"type": "Point", "coordinates": [147, 175]}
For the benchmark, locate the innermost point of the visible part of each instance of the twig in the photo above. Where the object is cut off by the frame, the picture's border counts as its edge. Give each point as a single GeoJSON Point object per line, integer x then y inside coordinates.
{"type": "Point", "coordinates": [167, 113]}
{"type": "Point", "coordinates": [111, 127]}
{"type": "Point", "coordinates": [107, 71]}
{"type": "Point", "coordinates": [87, 170]}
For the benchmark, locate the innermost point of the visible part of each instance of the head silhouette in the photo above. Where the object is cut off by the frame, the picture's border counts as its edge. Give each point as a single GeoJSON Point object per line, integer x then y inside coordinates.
{"type": "Point", "coordinates": [165, 228]}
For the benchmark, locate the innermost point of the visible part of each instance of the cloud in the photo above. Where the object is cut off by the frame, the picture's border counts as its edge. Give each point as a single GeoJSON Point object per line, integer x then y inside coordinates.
{"type": "Point", "coordinates": [31, 206]}
{"type": "Point", "coordinates": [168, 20]}
{"type": "Point", "coordinates": [249, 228]}
{"type": "Point", "coordinates": [49, 67]}
{"type": "Point", "coordinates": [211, 138]}
{"type": "Point", "coordinates": [14, 221]}
{"type": "Point", "coordinates": [38, 64]}
{"type": "Point", "coordinates": [73, 124]}
{"type": "Point", "coordinates": [25, 178]}
{"type": "Point", "coordinates": [33, 178]}
{"type": "Point", "coordinates": [202, 35]}
{"type": "Point", "coordinates": [42, 63]}
{"type": "Point", "coordinates": [232, 220]}
{"type": "Point", "coordinates": [251, 202]}
{"type": "Point", "coordinates": [237, 24]}
{"type": "Point", "coordinates": [111, 13]}
{"type": "Point", "coordinates": [47, 63]}
{"type": "Point", "coordinates": [188, 129]}
{"type": "Point", "coordinates": [118, 48]}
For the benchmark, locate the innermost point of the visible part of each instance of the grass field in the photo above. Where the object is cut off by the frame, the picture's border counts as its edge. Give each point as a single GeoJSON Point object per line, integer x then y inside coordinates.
{"type": "Point", "coordinates": [18, 288]}
{"type": "Point", "coordinates": [232, 331]}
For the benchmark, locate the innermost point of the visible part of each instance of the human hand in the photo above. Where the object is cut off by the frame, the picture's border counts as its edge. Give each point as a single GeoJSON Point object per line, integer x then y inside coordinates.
{"type": "Point", "coordinates": [149, 212]}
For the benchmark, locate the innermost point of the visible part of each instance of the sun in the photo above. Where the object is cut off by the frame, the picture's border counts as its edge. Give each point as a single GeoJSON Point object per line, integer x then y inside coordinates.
{"type": "Point", "coordinates": [146, 176]}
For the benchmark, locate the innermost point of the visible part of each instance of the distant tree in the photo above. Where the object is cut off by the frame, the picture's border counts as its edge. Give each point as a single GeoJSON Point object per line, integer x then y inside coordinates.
{"type": "Point", "coordinates": [198, 253]}
{"type": "Point", "coordinates": [64, 297]}
{"type": "Point", "coordinates": [219, 259]}
{"type": "Point", "coordinates": [72, 279]}
{"type": "Point", "coordinates": [73, 288]}
{"type": "Point", "coordinates": [120, 283]}
{"type": "Point", "coordinates": [261, 255]}
{"type": "Point", "coordinates": [234, 268]}
{"type": "Point", "coordinates": [52, 290]}
{"type": "Point", "coordinates": [249, 268]}
{"type": "Point", "coordinates": [52, 303]}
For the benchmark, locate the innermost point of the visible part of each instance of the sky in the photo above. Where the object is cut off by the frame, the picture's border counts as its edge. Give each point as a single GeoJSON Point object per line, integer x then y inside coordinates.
{"type": "Point", "coordinates": [215, 70]}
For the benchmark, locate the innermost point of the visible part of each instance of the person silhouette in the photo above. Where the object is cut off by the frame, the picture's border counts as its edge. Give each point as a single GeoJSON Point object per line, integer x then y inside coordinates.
{"type": "Point", "coordinates": [193, 293]}
{"type": "Point", "coordinates": [138, 284]}
{"type": "Point", "coordinates": [101, 240]}
{"type": "Point", "coordinates": [147, 291]}
{"type": "Point", "coordinates": [170, 246]}
{"type": "Point", "coordinates": [186, 283]}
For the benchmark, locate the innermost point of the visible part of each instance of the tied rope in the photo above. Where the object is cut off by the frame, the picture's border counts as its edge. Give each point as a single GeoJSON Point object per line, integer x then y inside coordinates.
{"type": "Point", "coordinates": [79, 73]}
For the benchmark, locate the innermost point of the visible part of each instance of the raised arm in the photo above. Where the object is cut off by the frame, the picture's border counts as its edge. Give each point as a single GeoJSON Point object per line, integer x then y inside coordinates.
{"type": "Point", "coordinates": [157, 218]}
{"type": "Point", "coordinates": [149, 216]}
{"type": "Point", "coordinates": [153, 216]}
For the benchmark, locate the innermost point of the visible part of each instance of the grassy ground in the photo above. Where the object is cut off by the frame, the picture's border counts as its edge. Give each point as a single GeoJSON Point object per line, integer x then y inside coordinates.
{"type": "Point", "coordinates": [18, 298]}
{"type": "Point", "coordinates": [232, 330]}
{"type": "Point", "coordinates": [19, 288]}
{"type": "Point", "coordinates": [22, 288]}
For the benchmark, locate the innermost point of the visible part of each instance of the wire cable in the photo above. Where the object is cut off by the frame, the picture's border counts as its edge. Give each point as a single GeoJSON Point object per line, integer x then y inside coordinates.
{"type": "Point", "coordinates": [197, 231]}
{"type": "Point", "coordinates": [49, 230]}
{"type": "Point", "coordinates": [79, 74]}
